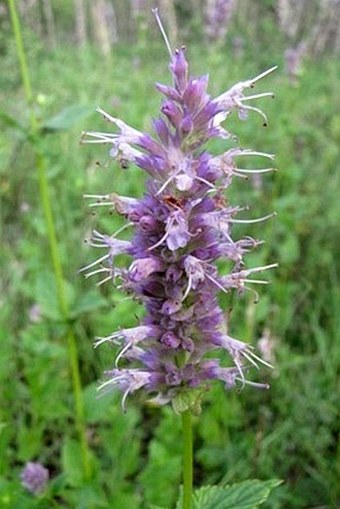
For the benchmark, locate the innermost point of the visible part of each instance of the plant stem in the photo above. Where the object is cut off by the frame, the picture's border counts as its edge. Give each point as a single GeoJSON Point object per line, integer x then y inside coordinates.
{"type": "Point", "coordinates": [187, 459]}
{"type": "Point", "coordinates": [52, 238]}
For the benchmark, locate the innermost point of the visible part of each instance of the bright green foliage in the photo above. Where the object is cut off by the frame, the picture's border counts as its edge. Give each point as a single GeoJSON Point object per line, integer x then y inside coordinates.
{"type": "Point", "coordinates": [244, 495]}
{"type": "Point", "coordinates": [289, 432]}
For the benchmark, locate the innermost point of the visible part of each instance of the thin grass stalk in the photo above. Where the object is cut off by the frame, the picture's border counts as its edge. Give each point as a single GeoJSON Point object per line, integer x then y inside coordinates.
{"type": "Point", "coordinates": [187, 459]}
{"type": "Point", "coordinates": [52, 238]}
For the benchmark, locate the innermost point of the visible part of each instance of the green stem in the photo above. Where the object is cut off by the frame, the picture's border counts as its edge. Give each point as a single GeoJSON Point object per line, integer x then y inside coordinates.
{"type": "Point", "coordinates": [52, 238]}
{"type": "Point", "coordinates": [187, 459]}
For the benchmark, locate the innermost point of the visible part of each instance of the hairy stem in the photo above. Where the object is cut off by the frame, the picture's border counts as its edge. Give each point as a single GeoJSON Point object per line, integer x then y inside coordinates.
{"type": "Point", "coordinates": [187, 459]}
{"type": "Point", "coordinates": [52, 238]}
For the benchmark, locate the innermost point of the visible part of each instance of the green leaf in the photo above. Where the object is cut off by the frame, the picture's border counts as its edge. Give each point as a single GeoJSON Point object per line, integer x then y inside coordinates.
{"type": "Point", "coordinates": [46, 295]}
{"type": "Point", "coordinates": [245, 495]}
{"type": "Point", "coordinates": [96, 408]}
{"type": "Point", "coordinates": [87, 496]}
{"type": "Point", "coordinates": [89, 301]}
{"type": "Point", "coordinates": [29, 440]}
{"type": "Point", "coordinates": [161, 474]}
{"type": "Point", "coordinates": [71, 461]}
{"type": "Point", "coordinates": [10, 121]}
{"type": "Point", "coordinates": [67, 117]}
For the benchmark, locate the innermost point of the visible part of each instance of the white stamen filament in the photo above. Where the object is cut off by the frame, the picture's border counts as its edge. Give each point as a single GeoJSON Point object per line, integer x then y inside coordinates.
{"type": "Point", "coordinates": [188, 288]}
{"type": "Point", "coordinates": [108, 278]}
{"type": "Point", "coordinates": [106, 115]}
{"type": "Point", "coordinates": [97, 196]}
{"type": "Point", "coordinates": [102, 204]}
{"type": "Point", "coordinates": [94, 263]}
{"type": "Point", "coordinates": [249, 152]}
{"type": "Point", "coordinates": [165, 236]}
{"type": "Point", "coordinates": [122, 228]}
{"type": "Point", "coordinates": [126, 393]}
{"type": "Point", "coordinates": [168, 181]}
{"type": "Point", "coordinates": [257, 96]}
{"type": "Point", "coordinates": [100, 140]}
{"type": "Point", "coordinates": [255, 281]}
{"type": "Point", "coordinates": [263, 74]}
{"type": "Point", "coordinates": [254, 170]}
{"type": "Point", "coordinates": [246, 272]}
{"type": "Point", "coordinates": [254, 292]}
{"type": "Point", "coordinates": [237, 364]}
{"type": "Point", "coordinates": [261, 360]}
{"type": "Point", "coordinates": [254, 384]}
{"type": "Point", "coordinates": [160, 25]}
{"type": "Point", "coordinates": [100, 341]}
{"type": "Point", "coordinates": [122, 352]}
{"type": "Point", "coordinates": [98, 271]}
{"type": "Point", "coordinates": [248, 357]}
{"type": "Point", "coordinates": [252, 108]}
{"type": "Point", "coordinates": [217, 284]}
{"type": "Point", "coordinates": [249, 221]}
{"type": "Point", "coordinates": [209, 184]}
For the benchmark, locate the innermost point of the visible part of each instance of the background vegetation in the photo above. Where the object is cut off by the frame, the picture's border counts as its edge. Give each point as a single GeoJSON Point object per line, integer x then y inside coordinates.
{"type": "Point", "coordinates": [290, 432]}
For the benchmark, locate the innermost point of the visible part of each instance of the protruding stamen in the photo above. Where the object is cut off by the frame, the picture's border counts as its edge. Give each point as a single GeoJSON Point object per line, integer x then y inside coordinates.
{"type": "Point", "coordinates": [106, 115]}
{"type": "Point", "coordinates": [160, 25]}
{"type": "Point", "coordinates": [167, 182]}
{"type": "Point", "coordinates": [260, 269]}
{"type": "Point", "coordinates": [213, 280]}
{"type": "Point", "coordinates": [94, 263]}
{"type": "Point", "coordinates": [254, 170]}
{"type": "Point", "coordinates": [209, 184]}
{"type": "Point", "coordinates": [263, 74]}
{"type": "Point", "coordinates": [242, 379]}
{"type": "Point", "coordinates": [253, 384]}
{"type": "Point", "coordinates": [100, 197]}
{"type": "Point", "coordinates": [108, 278]}
{"type": "Point", "coordinates": [254, 292]}
{"type": "Point", "coordinates": [256, 281]}
{"type": "Point", "coordinates": [122, 353]}
{"type": "Point", "coordinates": [188, 288]}
{"type": "Point", "coordinates": [98, 271]}
{"type": "Point", "coordinates": [101, 204]}
{"type": "Point", "coordinates": [257, 96]}
{"type": "Point", "coordinates": [249, 152]}
{"type": "Point", "coordinates": [261, 360]}
{"type": "Point", "coordinates": [165, 236]}
{"type": "Point", "coordinates": [249, 221]}
{"type": "Point", "coordinates": [247, 355]}
{"type": "Point", "coordinates": [252, 108]}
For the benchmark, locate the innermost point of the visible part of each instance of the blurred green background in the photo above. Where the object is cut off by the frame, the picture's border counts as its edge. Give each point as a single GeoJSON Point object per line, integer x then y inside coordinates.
{"type": "Point", "coordinates": [82, 54]}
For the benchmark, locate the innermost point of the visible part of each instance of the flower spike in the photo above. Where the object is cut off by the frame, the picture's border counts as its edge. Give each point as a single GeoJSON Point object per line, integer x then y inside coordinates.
{"type": "Point", "coordinates": [183, 225]}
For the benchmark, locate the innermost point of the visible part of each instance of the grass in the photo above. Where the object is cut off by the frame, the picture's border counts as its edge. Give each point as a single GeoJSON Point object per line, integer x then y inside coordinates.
{"type": "Point", "coordinates": [290, 432]}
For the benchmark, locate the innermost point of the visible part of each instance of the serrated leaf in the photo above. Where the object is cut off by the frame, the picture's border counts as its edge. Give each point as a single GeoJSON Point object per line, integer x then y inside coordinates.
{"type": "Point", "coordinates": [67, 117]}
{"type": "Point", "coordinates": [245, 495]}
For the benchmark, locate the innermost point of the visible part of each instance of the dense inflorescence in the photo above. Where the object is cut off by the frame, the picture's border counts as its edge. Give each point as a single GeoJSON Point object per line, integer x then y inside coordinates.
{"type": "Point", "coordinates": [182, 227]}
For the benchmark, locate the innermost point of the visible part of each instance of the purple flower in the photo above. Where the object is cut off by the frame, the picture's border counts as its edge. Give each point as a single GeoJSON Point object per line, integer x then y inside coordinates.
{"type": "Point", "coordinates": [182, 226]}
{"type": "Point", "coordinates": [34, 477]}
